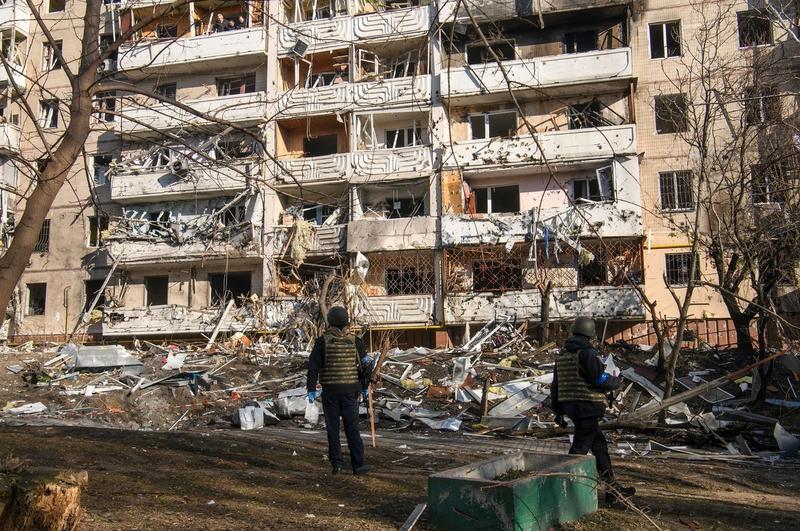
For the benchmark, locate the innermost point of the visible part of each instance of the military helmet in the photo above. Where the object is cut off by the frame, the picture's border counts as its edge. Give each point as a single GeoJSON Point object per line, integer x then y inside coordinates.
{"type": "Point", "coordinates": [583, 326]}
{"type": "Point", "coordinates": [337, 316]}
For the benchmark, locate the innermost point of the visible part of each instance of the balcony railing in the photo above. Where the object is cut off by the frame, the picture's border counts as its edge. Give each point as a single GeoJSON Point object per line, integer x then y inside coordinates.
{"type": "Point", "coordinates": [356, 96]}
{"type": "Point", "coordinates": [399, 310]}
{"type": "Point", "coordinates": [184, 54]}
{"type": "Point", "coordinates": [242, 109]}
{"type": "Point", "coordinates": [336, 32]}
{"type": "Point", "coordinates": [203, 179]}
{"type": "Point", "coordinates": [327, 240]}
{"type": "Point", "coordinates": [373, 235]}
{"type": "Point", "coordinates": [9, 139]}
{"type": "Point", "coordinates": [496, 10]}
{"type": "Point", "coordinates": [145, 253]}
{"type": "Point", "coordinates": [358, 166]}
{"type": "Point", "coordinates": [537, 73]}
{"type": "Point", "coordinates": [609, 302]}
{"type": "Point", "coordinates": [558, 146]}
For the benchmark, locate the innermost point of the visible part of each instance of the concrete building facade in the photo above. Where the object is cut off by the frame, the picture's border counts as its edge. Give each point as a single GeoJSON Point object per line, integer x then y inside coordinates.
{"type": "Point", "coordinates": [450, 162]}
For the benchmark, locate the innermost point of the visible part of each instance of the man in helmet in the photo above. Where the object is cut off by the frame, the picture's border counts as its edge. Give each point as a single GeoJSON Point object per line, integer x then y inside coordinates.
{"type": "Point", "coordinates": [336, 361]}
{"type": "Point", "coordinates": [579, 389]}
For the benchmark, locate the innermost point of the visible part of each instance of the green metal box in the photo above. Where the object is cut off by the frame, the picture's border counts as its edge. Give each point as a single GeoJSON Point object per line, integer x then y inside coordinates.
{"type": "Point", "coordinates": [518, 491]}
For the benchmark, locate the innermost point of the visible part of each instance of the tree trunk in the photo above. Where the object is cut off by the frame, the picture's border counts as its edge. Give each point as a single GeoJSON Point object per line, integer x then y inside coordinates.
{"type": "Point", "coordinates": [52, 504]}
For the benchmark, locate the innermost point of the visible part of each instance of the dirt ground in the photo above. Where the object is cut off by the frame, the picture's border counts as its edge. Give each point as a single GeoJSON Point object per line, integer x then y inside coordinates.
{"type": "Point", "coordinates": [278, 478]}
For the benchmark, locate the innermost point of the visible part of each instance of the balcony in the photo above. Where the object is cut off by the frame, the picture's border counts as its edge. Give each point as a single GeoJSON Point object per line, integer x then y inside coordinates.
{"type": "Point", "coordinates": [575, 145]}
{"type": "Point", "coordinates": [327, 240]}
{"type": "Point", "coordinates": [9, 139]}
{"type": "Point", "coordinates": [171, 320]}
{"type": "Point", "coordinates": [534, 75]}
{"type": "Point", "coordinates": [372, 235]}
{"type": "Point", "coordinates": [148, 252]}
{"type": "Point", "coordinates": [495, 10]}
{"type": "Point", "coordinates": [228, 50]}
{"type": "Point", "coordinates": [345, 97]}
{"type": "Point", "coordinates": [330, 33]}
{"type": "Point", "coordinates": [16, 14]}
{"type": "Point", "coordinates": [17, 74]}
{"type": "Point", "coordinates": [590, 220]}
{"type": "Point", "coordinates": [141, 185]}
{"type": "Point", "coordinates": [398, 310]}
{"type": "Point", "coordinates": [358, 166]}
{"type": "Point", "coordinates": [602, 302]}
{"type": "Point", "coordinates": [242, 109]}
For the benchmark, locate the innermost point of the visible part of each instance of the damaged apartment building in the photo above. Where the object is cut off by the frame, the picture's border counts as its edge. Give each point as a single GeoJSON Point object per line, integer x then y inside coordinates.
{"type": "Point", "coordinates": [449, 163]}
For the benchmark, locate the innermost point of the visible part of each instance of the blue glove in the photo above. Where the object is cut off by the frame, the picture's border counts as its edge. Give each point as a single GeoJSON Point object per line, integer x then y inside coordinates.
{"type": "Point", "coordinates": [312, 395]}
{"type": "Point", "coordinates": [365, 393]}
{"type": "Point", "coordinates": [366, 361]}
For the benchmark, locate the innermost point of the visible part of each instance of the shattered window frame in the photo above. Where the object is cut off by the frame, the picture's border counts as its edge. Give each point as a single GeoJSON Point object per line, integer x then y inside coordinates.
{"type": "Point", "coordinates": [43, 240]}
{"type": "Point", "coordinates": [659, 39]}
{"type": "Point", "coordinates": [151, 282]}
{"type": "Point", "coordinates": [50, 59]}
{"type": "Point", "coordinates": [487, 125]}
{"type": "Point", "coordinates": [49, 113]}
{"type": "Point", "coordinates": [37, 298]}
{"type": "Point", "coordinates": [96, 226]}
{"type": "Point", "coordinates": [769, 183]}
{"type": "Point", "coordinates": [101, 163]}
{"type": "Point", "coordinates": [167, 90]}
{"type": "Point", "coordinates": [754, 28]}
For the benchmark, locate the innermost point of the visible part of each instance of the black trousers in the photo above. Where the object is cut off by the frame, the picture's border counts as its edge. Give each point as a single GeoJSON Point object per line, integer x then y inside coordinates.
{"type": "Point", "coordinates": [344, 405]}
{"type": "Point", "coordinates": [589, 436]}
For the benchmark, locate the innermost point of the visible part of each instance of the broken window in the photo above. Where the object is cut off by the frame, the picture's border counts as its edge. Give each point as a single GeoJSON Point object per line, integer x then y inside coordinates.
{"type": "Point", "coordinates": [54, 6]}
{"type": "Point", "coordinates": [493, 125]}
{"type": "Point", "coordinates": [110, 63]}
{"type": "Point", "coordinates": [317, 214]}
{"type": "Point", "coordinates": [597, 188]}
{"type": "Point", "coordinates": [49, 114]}
{"type": "Point", "coordinates": [229, 286]}
{"type": "Point", "coordinates": [234, 149]}
{"type": "Point", "coordinates": [677, 268]}
{"type": "Point", "coordinates": [235, 215]}
{"type": "Point", "coordinates": [755, 28]}
{"type": "Point", "coordinates": [594, 273]}
{"type": "Point", "coordinates": [319, 146]}
{"type": "Point", "coordinates": [106, 106]}
{"type": "Point", "coordinates": [405, 207]}
{"type": "Point", "coordinates": [586, 114]}
{"type": "Point", "coordinates": [671, 113]}
{"type": "Point", "coordinates": [97, 224]}
{"type": "Point", "coordinates": [322, 79]}
{"type": "Point", "coordinates": [161, 157]}
{"type": "Point", "coordinates": [408, 281]}
{"type": "Point", "coordinates": [675, 189]}
{"type": "Point", "coordinates": [761, 105]}
{"type": "Point", "coordinates": [167, 31]}
{"type": "Point", "coordinates": [478, 54]}
{"type": "Point", "coordinates": [236, 85]}
{"type": "Point", "coordinates": [37, 298]}
{"type": "Point", "coordinates": [580, 41]}
{"type": "Point", "coordinates": [665, 40]}
{"type": "Point", "coordinates": [100, 167]}
{"type": "Point", "coordinates": [769, 183]}
{"type": "Point", "coordinates": [497, 200]}
{"type": "Point", "coordinates": [156, 290]}
{"type": "Point", "coordinates": [167, 90]}
{"type": "Point", "coordinates": [50, 59]}
{"type": "Point", "coordinates": [155, 225]}
{"type": "Point", "coordinates": [43, 241]}
{"type": "Point", "coordinates": [91, 289]}
{"type": "Point", "coordinates": [493, 275]}
{"type": "Point", "coordinates": [398, 138]}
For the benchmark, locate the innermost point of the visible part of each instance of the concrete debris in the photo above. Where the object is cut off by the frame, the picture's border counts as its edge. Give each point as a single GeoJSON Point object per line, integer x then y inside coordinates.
{"type": "Point", "coordinates": [787, 443]}
{"type": "Point", "coordinates": [28, 409]}
{"type": "Point", "coordinates": [103, 357]}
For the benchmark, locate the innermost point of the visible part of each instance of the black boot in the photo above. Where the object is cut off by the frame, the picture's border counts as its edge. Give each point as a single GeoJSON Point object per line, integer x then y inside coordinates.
{"type": "Point", "coordinates": [337, 469]}
{"type": "Point", "coordinates": [361, 471]}
{"type": "Point", "coordinates": [616, 493]}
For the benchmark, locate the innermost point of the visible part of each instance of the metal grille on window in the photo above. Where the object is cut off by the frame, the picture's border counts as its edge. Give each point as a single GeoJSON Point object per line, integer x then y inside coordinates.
{"type": "Point", "coordinates": [406, 273]}
{"type": "Point", "coordinates": [43, 242]}
{"type": "Point", "coordinates": [677, 269]}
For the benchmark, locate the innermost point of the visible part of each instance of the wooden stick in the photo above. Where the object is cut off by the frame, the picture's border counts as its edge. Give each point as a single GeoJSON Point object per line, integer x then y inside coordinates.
{"type": "Point", "coordinates": [219, 324]}
{"type": "Point", "coordinates": [371, 417]}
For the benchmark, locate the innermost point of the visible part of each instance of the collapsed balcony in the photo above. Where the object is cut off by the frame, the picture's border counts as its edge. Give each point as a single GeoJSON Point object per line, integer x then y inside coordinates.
{"type": "Point", "coordinates": [453, 11]}
{"type": "Point", "coordinates": [378, 75]}
{"type": "Point", "coordinates": [399, 288]}
{"type": "Point", "coordinates": [9, 139]}
{"type": "Point", "coordinates": [558, 60]}
{"type": "Point", "coordinates": [576, 130]}
{"type": "Point", "coordinates": [392, 216]}
{"type": "Point", "coordinates": [14, 47]}
{"type": "Point", "coordinates": [584, 200]}
{"type": "Point", "coordinates": [186, 231]}
{"type": "Point", "coordinates": [595, 277]}
{"type": "Point", "coordinates": [313, 227]}
{"type": "Point", "coordinates": [323, 25]}
{"type": "Point", "coordinates": [216, 33]}
{"type": "Point", "coordinates": [203, 167]}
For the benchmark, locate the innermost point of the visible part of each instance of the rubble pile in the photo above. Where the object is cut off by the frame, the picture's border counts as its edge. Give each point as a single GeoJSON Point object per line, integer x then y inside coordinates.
{"type": "Point", "coordinates": [498, 383]}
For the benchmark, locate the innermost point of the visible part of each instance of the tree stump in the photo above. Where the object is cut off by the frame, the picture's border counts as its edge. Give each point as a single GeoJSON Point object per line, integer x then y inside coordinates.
{"type": "Point", "coordinates": [44, 504]}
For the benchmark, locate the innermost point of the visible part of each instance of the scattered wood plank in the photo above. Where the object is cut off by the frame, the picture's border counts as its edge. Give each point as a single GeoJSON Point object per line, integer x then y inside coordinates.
{"type": "Point", "coordinates": [45, 504]}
